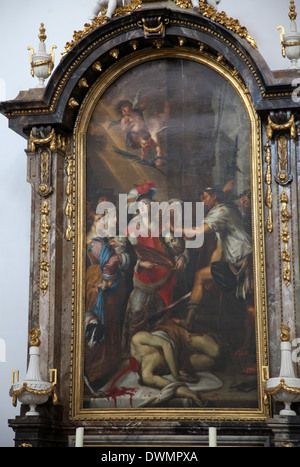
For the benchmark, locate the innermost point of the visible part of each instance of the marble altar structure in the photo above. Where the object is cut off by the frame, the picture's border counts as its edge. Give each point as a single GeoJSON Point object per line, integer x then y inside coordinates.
{"type": "Point", "coordinates": [55, 122]}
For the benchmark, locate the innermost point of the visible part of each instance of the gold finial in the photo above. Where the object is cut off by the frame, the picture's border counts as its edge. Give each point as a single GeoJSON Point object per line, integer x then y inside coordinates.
{"type": "Point", "coordinates": [285, 332]}
{"type": "Point", "coordinates": [35, 334]}
{"type": "Point", "coordinates": [42, 35]}
{"type": "Point", "coordinates": [292, 13]}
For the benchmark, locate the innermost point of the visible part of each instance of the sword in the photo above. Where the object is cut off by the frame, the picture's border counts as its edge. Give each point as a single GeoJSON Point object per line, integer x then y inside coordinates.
{"type": "Point", "coordinates": [168, 308]}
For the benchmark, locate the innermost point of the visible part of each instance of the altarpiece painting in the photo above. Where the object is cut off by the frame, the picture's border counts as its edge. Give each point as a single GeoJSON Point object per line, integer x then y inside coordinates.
{"type": "Point", "coordinates": [162, 325]}
{"type": "Point", "coordinates": [162, 157]}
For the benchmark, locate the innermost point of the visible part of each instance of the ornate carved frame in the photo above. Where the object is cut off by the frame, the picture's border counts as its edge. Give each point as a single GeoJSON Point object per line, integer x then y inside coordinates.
{"type": "Point", "coordinates": [54, 126]}
{"type": "Point", "coordinates": [217, 64]}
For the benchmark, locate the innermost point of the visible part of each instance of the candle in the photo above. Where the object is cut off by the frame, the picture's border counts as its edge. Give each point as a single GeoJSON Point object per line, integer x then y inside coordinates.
{"type": "Point", "coordinates": [212, 437]}
{"type": "Point", "coordinates": [79, 437]}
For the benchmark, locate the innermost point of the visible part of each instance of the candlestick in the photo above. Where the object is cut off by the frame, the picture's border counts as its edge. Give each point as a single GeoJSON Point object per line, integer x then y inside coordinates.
{"type": "Point", "coordinates": [212, 437]}
{"type": "Point", "coordinates": [79, 437]}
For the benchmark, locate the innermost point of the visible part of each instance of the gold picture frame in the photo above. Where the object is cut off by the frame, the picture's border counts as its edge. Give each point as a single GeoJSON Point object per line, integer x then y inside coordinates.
{"type": "Point", "coordinates": [89, 168]}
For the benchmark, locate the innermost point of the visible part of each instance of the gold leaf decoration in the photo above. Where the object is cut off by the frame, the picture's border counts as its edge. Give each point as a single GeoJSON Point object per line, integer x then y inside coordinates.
{"type": "Point", "coordinates": [98, 21]}
{"type": "Point", "coordinates": [220, 17]}
{"type": "Point", "coordinates": [205, 10]}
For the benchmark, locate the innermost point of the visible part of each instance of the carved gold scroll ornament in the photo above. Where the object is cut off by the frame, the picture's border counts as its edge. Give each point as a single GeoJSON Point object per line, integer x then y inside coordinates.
{"type": "Point", "coordinates": [69, 193]}
{"type": "Point", "coordinates": [283, 177]}
{"type": "Point", "coordinates": [205, 10]}
{"type": "Point", "coordinates": [44, 265]}
{"type": "Point", "coordinates": [285, 236]}
{"type": "Point", "coordinates": [159, 29]}
{"type": "Point", "coordinates": [34, 140]}
{"type": "Point", "coordinates": [268, 181]}
{"type": "Point", "coordinates": [34, 342]}
{"type": "Point", "coordinates": [290, 125]}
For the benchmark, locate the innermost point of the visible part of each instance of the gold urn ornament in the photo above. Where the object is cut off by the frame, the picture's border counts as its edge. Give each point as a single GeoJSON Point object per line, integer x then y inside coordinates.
{"type": "Point", "coordinates": [285, 388]}
{"type": "Point", "coordinates": [42, 63]}
{"type": "Point", "coordinates": [290, 41]}
{"type": "Point", "coordinates": [33, 391]}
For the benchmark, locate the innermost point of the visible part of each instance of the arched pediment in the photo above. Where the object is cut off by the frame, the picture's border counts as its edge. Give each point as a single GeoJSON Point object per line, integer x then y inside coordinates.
{"type": "Point", "coordinates": [103, 44]}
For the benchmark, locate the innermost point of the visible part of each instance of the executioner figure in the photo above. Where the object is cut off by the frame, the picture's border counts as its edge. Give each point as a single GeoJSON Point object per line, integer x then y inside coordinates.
{"type": "Point", "coordinates": [230, 262]}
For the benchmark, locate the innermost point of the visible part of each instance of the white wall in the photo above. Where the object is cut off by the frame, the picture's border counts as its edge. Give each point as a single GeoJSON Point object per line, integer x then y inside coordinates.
{"type": "Point", "coordinates": [19, 28]}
